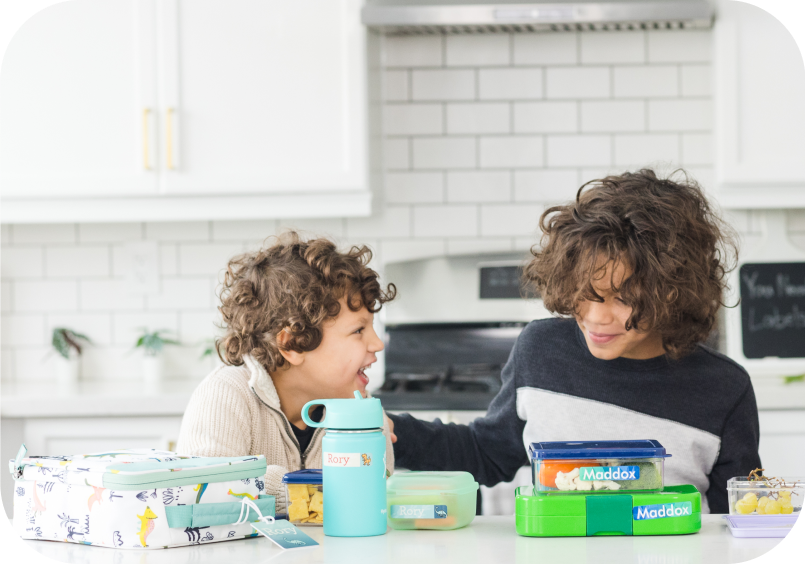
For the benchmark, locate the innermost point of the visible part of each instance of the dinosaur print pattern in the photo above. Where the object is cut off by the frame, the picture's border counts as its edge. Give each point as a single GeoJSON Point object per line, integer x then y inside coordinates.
{"type": "Point", "coordinates": [39, 507]}
{"type": "Point", "coordinates": [96, 496]}
{"type": "Point", "coordinates": [242, 495]}
{"type": "Point", "coordinates": [146, 524]}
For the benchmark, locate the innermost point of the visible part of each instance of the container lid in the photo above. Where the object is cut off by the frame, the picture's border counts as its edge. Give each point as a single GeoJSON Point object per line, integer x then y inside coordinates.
{"type": "Point", "coordinates": [741, 483]}
{"type": "Point", "coordinates": [760, 526]}
{"type": "Point", "coordinates": [597, 449]}
{"type": "Point", "coordinates": [424, 483]}
{"type": "Point", "coordinates": [306, 476]}
{"type": "Point", "coordinates": [358, 413]}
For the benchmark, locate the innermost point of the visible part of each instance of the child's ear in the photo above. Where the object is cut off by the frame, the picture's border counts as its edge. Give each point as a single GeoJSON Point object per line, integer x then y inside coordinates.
{"type": "Point", "coordinates": [294, 358]}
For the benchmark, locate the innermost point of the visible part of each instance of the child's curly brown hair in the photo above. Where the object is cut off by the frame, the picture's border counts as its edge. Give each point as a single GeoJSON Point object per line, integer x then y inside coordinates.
{"type": "Point", "coordinates": [292, 285]}
{"type": "Point", "coordinates": [678, 250]}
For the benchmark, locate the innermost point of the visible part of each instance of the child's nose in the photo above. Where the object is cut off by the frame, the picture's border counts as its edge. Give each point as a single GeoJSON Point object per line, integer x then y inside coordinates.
{"type": "Point", "coordinates": [598, 313]}
{"type": "Point", "coordinates": [375, 342]}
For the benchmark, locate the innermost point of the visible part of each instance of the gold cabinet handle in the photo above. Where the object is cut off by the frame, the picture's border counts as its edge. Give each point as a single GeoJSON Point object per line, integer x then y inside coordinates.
{"type": "Point", "coordinates": [146, 151]}
{"type": "Point", "coordinates": [169, 134]}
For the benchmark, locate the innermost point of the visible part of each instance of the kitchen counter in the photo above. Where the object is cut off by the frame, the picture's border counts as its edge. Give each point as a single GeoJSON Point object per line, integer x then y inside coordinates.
{"type": "Point", "coordinates": [487, 539]}
{"type": "Point", "coordinates": [134, 399]}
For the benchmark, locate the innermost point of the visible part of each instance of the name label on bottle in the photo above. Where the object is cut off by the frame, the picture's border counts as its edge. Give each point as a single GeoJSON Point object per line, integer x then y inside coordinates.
{"type": "Point", "coordinates": [680, 509]}
{"type": "Point", "coordinates": [342, 459]}
{"type": "Point", "coordinates": [419, 512]}
{"type": "Point", "coordinates": [599, 473]}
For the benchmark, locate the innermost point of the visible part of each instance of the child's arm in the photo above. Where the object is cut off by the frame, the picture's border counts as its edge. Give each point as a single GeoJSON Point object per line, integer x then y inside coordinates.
{"type": "Point", "coordinates": [490, 448]}
{"type": "Point", "coordinates": [738, 454]}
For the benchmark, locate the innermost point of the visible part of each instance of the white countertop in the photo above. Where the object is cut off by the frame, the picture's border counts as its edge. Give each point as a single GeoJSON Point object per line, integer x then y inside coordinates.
{"type": "Point", "coordinates": [488, 540]}
{"type": "Point", "coordinates": [134, 399]}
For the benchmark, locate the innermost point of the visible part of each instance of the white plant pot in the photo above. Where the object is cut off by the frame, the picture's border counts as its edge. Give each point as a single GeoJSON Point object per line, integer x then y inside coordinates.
{"type": "Point", "coordinates": [152, 369]}
{"type": "Point", "coordinates": [67, 370]}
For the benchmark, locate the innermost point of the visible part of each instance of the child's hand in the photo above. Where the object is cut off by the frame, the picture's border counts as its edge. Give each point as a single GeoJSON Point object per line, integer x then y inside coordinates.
{"type": "Point", "coordinates": [390, 424]}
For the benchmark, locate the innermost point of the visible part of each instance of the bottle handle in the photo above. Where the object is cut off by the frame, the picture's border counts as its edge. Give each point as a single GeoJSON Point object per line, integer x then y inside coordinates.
{"type": "Point", "coordinates": [306, 409]}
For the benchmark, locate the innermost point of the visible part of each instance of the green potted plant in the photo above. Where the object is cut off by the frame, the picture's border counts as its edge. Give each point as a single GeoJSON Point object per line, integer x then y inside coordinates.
{"type": "Point", "coordinates": [152, 343]}
{"type": "Point", "coordinates": [211, 351]}
{"type": "Point", "coordinates": [68, 344]}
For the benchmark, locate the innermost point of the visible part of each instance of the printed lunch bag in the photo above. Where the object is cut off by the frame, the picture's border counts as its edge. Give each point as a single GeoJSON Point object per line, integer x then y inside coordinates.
{"type": "Point", "coordinates": [138, 499]}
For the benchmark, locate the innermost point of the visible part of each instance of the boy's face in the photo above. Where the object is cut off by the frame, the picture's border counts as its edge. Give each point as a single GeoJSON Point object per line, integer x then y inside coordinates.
{"type": "Point", "coordinates": [335, 368]}
{"type": "Point", "coordinates": [604, 324]}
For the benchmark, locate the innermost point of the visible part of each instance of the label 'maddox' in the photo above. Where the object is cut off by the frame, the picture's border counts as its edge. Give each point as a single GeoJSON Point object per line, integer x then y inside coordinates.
{"type": "Point", "coordinates": [598, 473]}
{"type": "Point", "coordinates": [661, 511]}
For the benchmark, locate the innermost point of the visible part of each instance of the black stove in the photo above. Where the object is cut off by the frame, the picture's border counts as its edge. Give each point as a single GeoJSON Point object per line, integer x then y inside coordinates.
{"type": "Point", "coordinates": [445, 366]}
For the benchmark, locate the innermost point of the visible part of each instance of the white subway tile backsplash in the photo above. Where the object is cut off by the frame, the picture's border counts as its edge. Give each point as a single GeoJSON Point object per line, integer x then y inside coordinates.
{"type": "Point", "coordinates": [7, 365]}
{"type": "Point", "coordinates": [181, 293]}
{"type": "Point", "coordinates": [414, 187]}
{"type": "Point", "coordinates": [396, 154]}
{"type": "Point", "coordinates": [680, 115]}
{"type": "Point", "coordinates": [412, 119]}
{"type": "Point", "coordinates": [511, 152]}
{"type": "Point", "coordinates": [579, 150]}
{"type": "Point", "coordinates": [34, 364]}
{"type": "Point", "coordinates": [22, 262]}
{"type": "Point", "coordinates": [443, 84]}
{"type": "Point", "coordinates": [449, 152]}
{"type": "Point", "coordinates": [77, 261]}
{"type": "Point", "coordinates": [477, 50]}
{"type": "Point", "coordinates": [443, 221]}
{"type": "Point", "coordinates": [478, 186]}
{"type": "Point", "coordinates": [510, 84]}
{"type": "Point", "coordinates": [111, 363]}
{"type": "Point", "coordinates": [241, 230]}
{"type": "Point", "coordinates": [412, 51]}
{"type": "Point", "coordinates": [108, 295]}
{"type": "Point", "coordinates": [510, 219]}
{"type": "Point", "coordinates": [578, 82]}
{"type": "Point", "coordinates": [704, 175]}
{"type": "Point", "coordinates": [697, 80]}
{"type": "Point", "coordinates": [46, 296]}
{"type": "Point", "coordinates": [651, 81]}
{"type": "Point", "coordinates": [332, 227]}
{"type": "Point", "coordinates": [546, 117]}
{"type": "Point", "coordinates": [390, 221]}
{"type": "Point", "coordinates": [199, 326]}
{"type": "Point", "coordinates": [545, 185]}
{"type": "Point", "coordinates": [396, 85]}
{"type": "Point", "coordinates": [168, 259]}
{"type": "Point", "coordinates": [400, 250]}
{"type": "Point", "coordinates": [458, 246]}
{"type": "Point", "coordinates": [642, 150]}
{"type": "Point", "coordinates": [96, 326]}
{"type": "Point", "coordinates": [109, 232]}
{"type": "Point", "coordinates": [613, 116]}
{"type": "Point", "coordinates": [206, 259]}
{"type": "Point", "coordinates": [545, 48]}
{"type": "Point", "coordinates": [128, 327]}
{"type": "Point", "coordinates": [5, 296]}
{"type": "Point", "coordinates": [61, 233]}
{"type": "Point", "coordinates": [478, 118]}
{"type": "Point", "coordinates": [613, 47]}
{"type": "Point", "coordinates": [690, 46]}
{"type": "Point", "coordinates": [697, 149]}
{"type": "Point", "coordinates": [178, 231]}
{"type": "Point", "coordinates": [20, 329]}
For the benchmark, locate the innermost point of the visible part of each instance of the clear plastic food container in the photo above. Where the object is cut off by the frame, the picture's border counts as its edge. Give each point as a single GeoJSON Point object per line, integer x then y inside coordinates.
{"type": "Point", "coordinates": [431, 500]}
{"type": "Point", "coordinates": [305, 497]}
{"type": "Point", "coordinates": [766, 496]}
{"type": "Point", "coordinates": [597, 466]}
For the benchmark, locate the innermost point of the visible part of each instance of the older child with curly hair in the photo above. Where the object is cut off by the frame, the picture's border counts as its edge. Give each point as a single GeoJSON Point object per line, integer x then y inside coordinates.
{"type": "Point", "coordinates": [636, 269]}
{"type": "Point", "coordinates": [298, 318]}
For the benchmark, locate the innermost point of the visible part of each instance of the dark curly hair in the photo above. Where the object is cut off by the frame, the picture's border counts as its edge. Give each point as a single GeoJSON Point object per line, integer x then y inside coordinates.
{"type": "Point", "coordinates": [293, 285]}
{"type": "Point", "coordinates": [679, 252]}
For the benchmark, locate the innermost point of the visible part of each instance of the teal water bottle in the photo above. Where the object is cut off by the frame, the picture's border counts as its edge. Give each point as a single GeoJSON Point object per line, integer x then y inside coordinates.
{"type": "Point", "coordinates": [353, 466]}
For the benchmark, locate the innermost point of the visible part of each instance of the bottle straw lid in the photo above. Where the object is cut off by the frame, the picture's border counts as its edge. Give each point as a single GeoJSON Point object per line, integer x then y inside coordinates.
{"type": "Point", "coordinates": [345, 414]}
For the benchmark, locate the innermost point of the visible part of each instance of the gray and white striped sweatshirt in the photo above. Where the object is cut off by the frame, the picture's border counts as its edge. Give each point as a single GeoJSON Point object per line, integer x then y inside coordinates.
{"type": "Point", "coordinates": [701, 408]}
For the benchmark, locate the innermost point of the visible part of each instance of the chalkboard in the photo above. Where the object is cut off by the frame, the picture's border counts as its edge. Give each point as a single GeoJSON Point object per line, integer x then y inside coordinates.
{"type": "Point", "coordinates": [773, 309]}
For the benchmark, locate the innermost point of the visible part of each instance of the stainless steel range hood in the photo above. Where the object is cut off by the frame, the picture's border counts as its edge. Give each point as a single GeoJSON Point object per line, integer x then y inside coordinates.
{"type": "Point", "coordinates": [483, 16]}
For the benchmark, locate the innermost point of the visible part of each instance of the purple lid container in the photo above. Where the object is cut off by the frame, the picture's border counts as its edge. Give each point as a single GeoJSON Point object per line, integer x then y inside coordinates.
{"type": "Point", "coordinates": [760, 526]}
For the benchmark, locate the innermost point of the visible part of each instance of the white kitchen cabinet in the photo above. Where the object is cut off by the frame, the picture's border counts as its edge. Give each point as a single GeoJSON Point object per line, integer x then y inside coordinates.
{"type": "Point", "coordinates": [78, 103]}
{"type": "Point", "coordinates": [179, 109]}
{"type": "Point", "coordinates": [759, 101]}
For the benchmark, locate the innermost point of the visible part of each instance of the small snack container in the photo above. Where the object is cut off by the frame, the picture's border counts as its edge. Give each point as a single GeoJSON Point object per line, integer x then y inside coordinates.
{"type": "Point", "coordinates": [305, 497]}
{"type": "Point", "coordinates": [766, 496]}
{"type": "Point", "coordinates": [597, 466]}
{"type": "Point", "coordinates": [431, 500]}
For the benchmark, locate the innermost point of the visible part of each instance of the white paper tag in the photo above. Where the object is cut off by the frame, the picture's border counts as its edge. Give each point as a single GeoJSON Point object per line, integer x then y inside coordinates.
{"type": "Point", "coordinates": [342, 459]}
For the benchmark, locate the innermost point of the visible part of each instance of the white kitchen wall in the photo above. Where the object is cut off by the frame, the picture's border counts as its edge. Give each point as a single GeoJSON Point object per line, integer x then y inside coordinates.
{"type": "Point", "coordinates": [480, 132]}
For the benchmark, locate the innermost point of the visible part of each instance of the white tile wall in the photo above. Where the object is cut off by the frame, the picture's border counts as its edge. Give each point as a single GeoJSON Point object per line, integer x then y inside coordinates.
{"type": "Point", "coordinates": [480, 134]}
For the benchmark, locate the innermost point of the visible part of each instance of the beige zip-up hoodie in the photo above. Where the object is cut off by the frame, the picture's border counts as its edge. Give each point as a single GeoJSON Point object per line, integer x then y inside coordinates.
{"type": "Point", "coordinates": [235, 411]}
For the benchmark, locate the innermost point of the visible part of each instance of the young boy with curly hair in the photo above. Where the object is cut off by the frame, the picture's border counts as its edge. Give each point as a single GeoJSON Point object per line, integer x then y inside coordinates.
{"type": "Point", "coordinates": [636, 269]}
{"type": "Point", "coordinates": [298, 318]}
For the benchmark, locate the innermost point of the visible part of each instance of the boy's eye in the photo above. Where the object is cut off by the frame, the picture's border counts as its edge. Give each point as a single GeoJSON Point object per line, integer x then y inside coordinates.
{"type": "Point", "coordinates": [359, 331]}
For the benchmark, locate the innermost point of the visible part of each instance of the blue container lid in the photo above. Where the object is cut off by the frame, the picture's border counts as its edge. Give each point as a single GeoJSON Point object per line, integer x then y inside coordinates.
{"type": "Point", "coordinates": [597, 449]}
{"type": "Point", "coordinates": [306, 476]}
{"type": "Point", "coordinates": [346, 414]}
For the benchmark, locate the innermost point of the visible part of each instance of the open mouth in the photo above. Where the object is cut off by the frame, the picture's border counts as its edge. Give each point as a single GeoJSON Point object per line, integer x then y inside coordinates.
{"type": "Point", "coordinates": [362, 374]}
